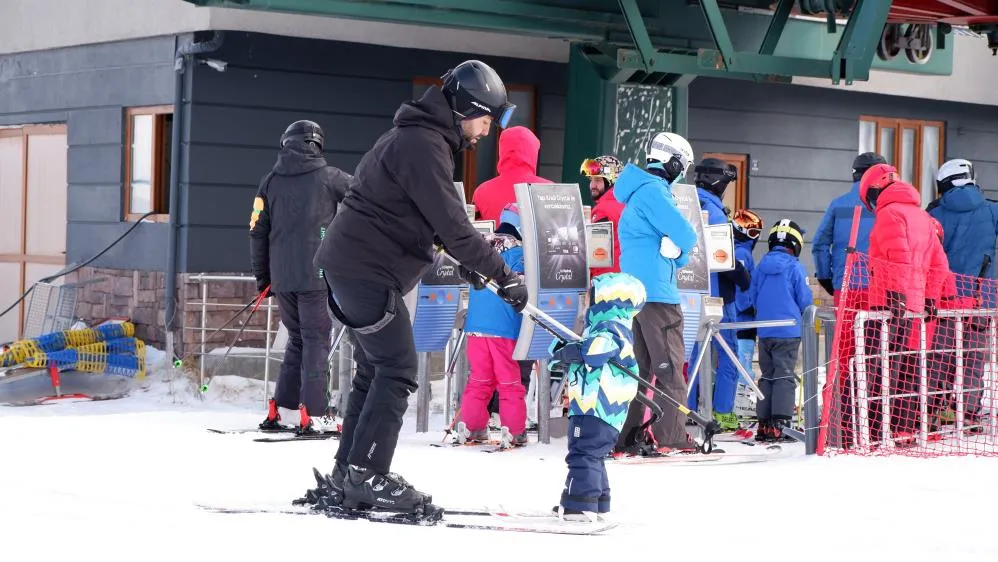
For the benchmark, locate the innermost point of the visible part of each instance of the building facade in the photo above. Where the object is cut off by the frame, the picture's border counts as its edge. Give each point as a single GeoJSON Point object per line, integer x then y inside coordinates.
{"type": "Point", "coordinates": [90, 99]}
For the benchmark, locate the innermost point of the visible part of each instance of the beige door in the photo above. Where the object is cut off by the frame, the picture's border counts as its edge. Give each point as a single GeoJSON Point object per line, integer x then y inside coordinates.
{"type": "Point", "coordinates": [735, 195]}
{"type": "Point", "coordinates": [33, 200]}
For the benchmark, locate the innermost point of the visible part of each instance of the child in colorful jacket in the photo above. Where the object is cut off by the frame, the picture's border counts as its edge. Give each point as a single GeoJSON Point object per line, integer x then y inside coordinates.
{"type": "Point", "coordinates": [599, 391]}
{"type": "Point", "coordinates": [493, 327]}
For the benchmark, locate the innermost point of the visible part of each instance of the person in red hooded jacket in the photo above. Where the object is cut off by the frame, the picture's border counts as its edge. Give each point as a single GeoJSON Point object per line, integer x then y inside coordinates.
{"type": "Point", "coordinates": [905, 262]}
{"type": "Point", "coordinates": [519, 150]}
{"type": "Point", "coordinates": [602, 172]}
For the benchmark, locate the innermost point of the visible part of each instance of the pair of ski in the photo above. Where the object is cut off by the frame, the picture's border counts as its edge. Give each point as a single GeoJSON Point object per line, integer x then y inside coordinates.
{"type": "Point", "coordinates": [717, 455]}
{"type": "Point", "coordinates": [481, 519]}
{"type": "Point", "coordinates": [285, 434]}
{"type": "Point", "coordinates": [486, 446]}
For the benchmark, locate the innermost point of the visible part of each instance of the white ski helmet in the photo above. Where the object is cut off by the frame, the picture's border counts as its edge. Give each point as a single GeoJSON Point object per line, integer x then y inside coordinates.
{"type": "Point", "coordinates": [673, 152]}
{"type": "Point", "coordinates": [954, 173]}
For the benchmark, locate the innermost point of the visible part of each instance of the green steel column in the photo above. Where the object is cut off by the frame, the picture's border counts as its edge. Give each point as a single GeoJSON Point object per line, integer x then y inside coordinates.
{"type": "Point", "coordinates": [588, 117]}
{"type": "Point", "coordinates": [681, 106]}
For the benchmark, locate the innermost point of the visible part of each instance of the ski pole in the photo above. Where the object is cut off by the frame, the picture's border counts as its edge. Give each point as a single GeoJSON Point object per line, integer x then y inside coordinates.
{"type": "Point", "coordinates": [559, 331]}
{"type": "Point", "coordinates": [256, 304]}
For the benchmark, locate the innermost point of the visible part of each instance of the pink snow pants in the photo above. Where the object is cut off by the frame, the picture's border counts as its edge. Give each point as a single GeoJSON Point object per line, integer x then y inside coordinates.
{"type": "Point", "coordinates": [492, 366]}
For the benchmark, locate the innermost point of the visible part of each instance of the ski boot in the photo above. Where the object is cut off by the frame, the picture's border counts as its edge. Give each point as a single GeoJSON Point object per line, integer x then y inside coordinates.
{"type": "Point", "coordinates": [273, 420]}
{"type": "Point", "coordinates": [728, 421]}
{"type": "Point", "coordinates": [576, 515]}
{"type": "Point", "coordinates": [463, 435]}
{"type": "Point", "coordinates": [507, 440]}
{"type": "Point", "coordinates": [363, 488]}
{"type": "Point", "coordinates": [776, 429]}
{"type": "Point", "coordinates": [328, 491]}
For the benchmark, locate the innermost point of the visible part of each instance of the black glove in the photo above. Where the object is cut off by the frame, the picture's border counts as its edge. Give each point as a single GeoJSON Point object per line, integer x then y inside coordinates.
{"type": "Point", "coordinates": [931, 312]}
{"type": "Point", "coordinates": [513, 290]}
{"type": "Point", "coordinates": [262, 287]}
{"type": "Point", "coordinates": [471, 277]}
{"type": "Point", "coordinates": [826, 284]}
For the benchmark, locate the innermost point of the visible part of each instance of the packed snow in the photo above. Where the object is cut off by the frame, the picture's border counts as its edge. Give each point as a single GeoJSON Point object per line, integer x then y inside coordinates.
{"type": "Point", "coordinates": [120, 480]}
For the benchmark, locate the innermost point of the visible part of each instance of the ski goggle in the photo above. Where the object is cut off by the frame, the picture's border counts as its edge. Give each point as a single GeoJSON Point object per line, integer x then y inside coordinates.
{"type": "Point", "coordinates": [591, 167]}
{"type": "Point", "coordinates": [505, 115]}
{"type": "Point", "coordinates": [752, 233]}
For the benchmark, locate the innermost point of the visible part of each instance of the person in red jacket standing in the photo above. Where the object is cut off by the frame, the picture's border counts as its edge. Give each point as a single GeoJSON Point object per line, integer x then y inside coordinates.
{"type": "Point", "coordinates": [905, 262]}
{"type": "Point", "coordinates": [519, 150]}
{"type": "Point", "coordinates": [602, 172]}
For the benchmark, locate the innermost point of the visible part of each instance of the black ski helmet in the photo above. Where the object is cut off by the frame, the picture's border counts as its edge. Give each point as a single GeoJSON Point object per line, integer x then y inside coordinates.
{"type": "Point", "coordinates": [788, 234]}
{"type": "Point", "coordinates": [864, 162]}
{"type": "Point", "coordinates": [473, 89]}
{"type": "Point", "coordinates": [305, 132]}
{"type": "Point", "coordinates": [714, 175]}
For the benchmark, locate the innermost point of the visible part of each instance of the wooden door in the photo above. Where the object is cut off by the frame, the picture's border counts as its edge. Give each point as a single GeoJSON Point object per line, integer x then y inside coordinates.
{"type": "Point", "coordinates": [736, 195]}
{"type": "Point", "coordinates": [33, 200]}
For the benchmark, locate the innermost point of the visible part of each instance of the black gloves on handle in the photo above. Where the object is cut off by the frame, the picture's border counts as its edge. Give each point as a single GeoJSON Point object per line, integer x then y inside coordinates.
{"type": "Point", "coordinates": [826, 284]}
{"type": "Point", "coordinates": [512, 289]}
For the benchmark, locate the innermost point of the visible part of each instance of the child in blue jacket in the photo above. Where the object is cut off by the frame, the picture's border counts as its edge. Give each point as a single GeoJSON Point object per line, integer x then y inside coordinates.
{"type": "Point", "coordinates": [779, 291]}
{"type": "Point", "coordinates": [493, 327]}
{"type": "Point", "coordinates": [599, 391]}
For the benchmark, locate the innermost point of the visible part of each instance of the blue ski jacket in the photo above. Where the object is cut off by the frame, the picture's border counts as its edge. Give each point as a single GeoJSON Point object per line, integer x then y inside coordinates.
{"type": "Point", "coordinates": [780, 291]}
{"type": "Point", "coordinates": [828, 248]}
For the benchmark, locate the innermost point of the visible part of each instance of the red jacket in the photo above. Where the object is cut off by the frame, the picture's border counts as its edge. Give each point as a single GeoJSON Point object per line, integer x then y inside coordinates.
{"type": "Point", "coordinates": [905, 253]}
{"type": "Point", "coordinates": [518, 152]}
{"type": "Point", "coordinates": [607, 208]}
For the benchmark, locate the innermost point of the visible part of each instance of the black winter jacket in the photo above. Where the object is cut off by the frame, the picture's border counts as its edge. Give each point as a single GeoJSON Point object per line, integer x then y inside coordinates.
{"type": "Point", "coordinates": [402, 195]}
{"type": "Point", "coordinates": [293, 206]}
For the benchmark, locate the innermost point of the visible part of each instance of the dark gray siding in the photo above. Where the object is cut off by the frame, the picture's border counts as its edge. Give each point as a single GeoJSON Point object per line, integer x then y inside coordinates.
{"type": "Point", "coordinates": [352, 90]}
{"type": "Point", "coordinates": [88, 88]}
{"type": "Point", "coordinates": [804, 140]}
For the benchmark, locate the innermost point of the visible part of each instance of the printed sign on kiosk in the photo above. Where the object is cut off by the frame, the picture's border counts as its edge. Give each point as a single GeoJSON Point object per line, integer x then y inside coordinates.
{"type": "Point", "coordinates": [694, 277]}
{"type": "Point", "coordinates": [555, 259]}
{"type": "Point", "coordinates": [438, 298]}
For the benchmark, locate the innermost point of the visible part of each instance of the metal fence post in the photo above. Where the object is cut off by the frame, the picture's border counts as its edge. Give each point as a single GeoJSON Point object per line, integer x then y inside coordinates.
{"type": "Point", "coordinates": [543, 403]}
{"type": "Point", "coordinates": [423, 394]}
{"type": "Point", "coordinates": [344, 371]}
{"type": "Point", "coordinates": [204, 326]}
{"type": "Point", "coordinates": [809, 336]}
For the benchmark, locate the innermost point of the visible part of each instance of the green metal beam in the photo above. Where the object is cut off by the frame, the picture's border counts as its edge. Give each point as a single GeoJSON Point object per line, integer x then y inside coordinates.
{"type": "Point", "coordinates": [636, 25]}
{"type": "Point", "coordinates": [719, 31]}
{"type": "Point", "coordinates": [857, 46]}
{"type": "Point", "coordinates": [419, 15]}
{"type": "Point", "coordinates": [776, 26]}
{"type": "Point", "coordinates": [518, 9]}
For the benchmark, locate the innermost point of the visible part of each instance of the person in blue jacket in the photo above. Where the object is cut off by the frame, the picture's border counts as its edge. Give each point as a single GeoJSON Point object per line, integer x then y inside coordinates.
{"type": "Point", "coordinates": [712, 178]}
{"type": "Point", "coordinates": [655, 241]}
{"type": "Point", "coordinates": [747, 227]}
{"type": "Point", "coordinates": [828, 248]}
{"type": "Point", "coordinates": [779, 291]}
{"type": "Point", "coordinates": [970, 228]}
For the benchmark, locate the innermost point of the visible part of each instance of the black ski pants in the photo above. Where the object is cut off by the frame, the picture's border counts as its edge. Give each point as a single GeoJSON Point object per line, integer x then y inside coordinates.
{"type": "Point", "coordinates": [386, 370]}
{"type": "Point", "coordinates": [778, 362]}
{"type": "Point", "coordinates": [304, 371]}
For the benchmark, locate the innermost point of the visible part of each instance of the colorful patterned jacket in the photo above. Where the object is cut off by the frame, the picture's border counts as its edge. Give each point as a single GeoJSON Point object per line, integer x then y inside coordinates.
{"type": "Point", "coordinates": [595, 386]}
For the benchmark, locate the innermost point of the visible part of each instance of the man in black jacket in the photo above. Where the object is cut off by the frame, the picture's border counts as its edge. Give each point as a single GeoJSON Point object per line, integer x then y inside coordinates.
{"type": "Point", "coordinates": [293, 206]}
{"type": "Point", "coordinates": [379, 244]}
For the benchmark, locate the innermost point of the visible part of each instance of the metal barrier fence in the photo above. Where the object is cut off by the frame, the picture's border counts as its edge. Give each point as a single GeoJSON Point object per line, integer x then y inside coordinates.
{"type": "Point", "coordinates": [203, 304]}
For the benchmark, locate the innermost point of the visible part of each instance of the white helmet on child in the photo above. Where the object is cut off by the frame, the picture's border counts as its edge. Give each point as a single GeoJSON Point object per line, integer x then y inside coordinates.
{"type": "Point", "coordinates": [955, 173]}
{"type": "Point", "coordinates": [673, 153]}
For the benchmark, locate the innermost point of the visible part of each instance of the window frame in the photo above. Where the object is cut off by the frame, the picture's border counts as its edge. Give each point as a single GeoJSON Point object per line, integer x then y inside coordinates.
{"type": "Point", "coordinates": [159, 149]}
{"type": "Point", "coordinates": [899, 124]}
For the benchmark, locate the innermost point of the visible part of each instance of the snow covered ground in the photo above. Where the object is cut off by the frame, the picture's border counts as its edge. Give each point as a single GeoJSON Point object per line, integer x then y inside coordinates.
{"type": "Point", "coordinates": [119, 480]}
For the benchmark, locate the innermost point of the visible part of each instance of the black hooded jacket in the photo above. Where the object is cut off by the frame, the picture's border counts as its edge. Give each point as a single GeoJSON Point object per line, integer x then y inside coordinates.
{"type": "Point", "coordinates": [402, 195]}
{"type": "Point", "coordinates": [293, 206]}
